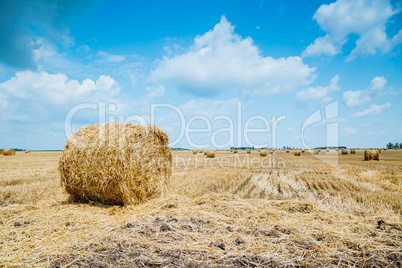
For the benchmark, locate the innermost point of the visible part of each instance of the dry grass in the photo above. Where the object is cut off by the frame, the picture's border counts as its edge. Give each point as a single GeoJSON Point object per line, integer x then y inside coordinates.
{"type": "Point", "coordinates": [304, 213]}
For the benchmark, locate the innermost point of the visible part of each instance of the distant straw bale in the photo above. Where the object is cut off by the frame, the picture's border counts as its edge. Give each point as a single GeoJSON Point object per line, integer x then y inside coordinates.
{"type": "Point", "coordinates": [371, 155]}
{"type": "Point", "coordinates": [352, 151]}
{"type": "Point", "coordinates": [248, 151]}
{"type": "Point", "coordinates": [27, 151]}
{"type": "Point", "coordinates": [297, 153]}
{"type": "Point", "coordinates": [344, 151]}
{"type": "Point", "coordinates": [263, 153]}
{"type": "Point", "coordinates": [1, 151]}
{"type": "Point", "coordinates": [117, 163]}
{"type": "Point", "coordinates": [211, 154]}
{"type": "Point", "coordinates": [9, 152]}
{"type": "Point", "coordinates": [287, 151]}
{"type": "Point", "coordinates": [235, 151]}
{"type": "Point", "coordinates": [195, 151]}
{"type": "Point", "coordinates": [303, 151]}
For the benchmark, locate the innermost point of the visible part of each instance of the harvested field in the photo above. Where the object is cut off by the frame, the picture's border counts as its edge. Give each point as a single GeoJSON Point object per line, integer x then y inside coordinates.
{"type": "Point", "coordinates": [234, 210]}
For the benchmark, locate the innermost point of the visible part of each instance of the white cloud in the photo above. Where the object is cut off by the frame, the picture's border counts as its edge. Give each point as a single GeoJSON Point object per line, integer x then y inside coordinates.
{"type": "Point", "coordinates": [106, 57]}
{"type": "Point", "coordinates": [366, 18]}
{"type": "Point", "coordinates": [222, 60]}
{"type": "Point", "coordinates": [350, 130]}
{"type": "Point", "coordinates": [319, 92]}
{"type": "Point", "coordinates": [373, 110]}
{"type": "Point", "coordinates": [155, 91]}
{"type": "Point", "coordinates": [359, 97]}
{"type": "Point", "coordinates": [58, 88]}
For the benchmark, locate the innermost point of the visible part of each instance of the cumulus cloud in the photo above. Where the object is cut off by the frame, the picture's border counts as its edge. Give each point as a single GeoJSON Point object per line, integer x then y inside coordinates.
{"type": "Point", "coordinates": [359, 97]}
{"type": "Point", "coordinates": [366, 18]}
{"type": "Point", "coordinates": [57, 88]}
{"type": "Point", "coordinates": [373, 110]}
{"type": "Point", "coordinates": [23, 23]}
{"type": "Point", "coordinates": [222, 60]}
{"type": "Point", "coordinates": [319, 92]}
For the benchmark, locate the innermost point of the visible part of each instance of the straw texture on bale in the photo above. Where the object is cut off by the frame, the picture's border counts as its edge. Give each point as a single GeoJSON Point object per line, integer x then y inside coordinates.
{"type": "Point", "coordinates": [344, 151]}
{"type": "Point", "coordinates": [9, 152]}
{"type": "Point", "coordinates": [297, 153]}
{"type": "Point", "coordinates": [263, 153]}
{"type": "Point", "coordinates": [117, 163]}
{"type": "Point", "coordinates": [371, 155]}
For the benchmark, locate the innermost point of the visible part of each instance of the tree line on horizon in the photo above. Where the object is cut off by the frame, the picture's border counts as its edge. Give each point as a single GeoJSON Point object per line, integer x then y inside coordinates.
{"type": "Point", "coordinates": [390, 145]}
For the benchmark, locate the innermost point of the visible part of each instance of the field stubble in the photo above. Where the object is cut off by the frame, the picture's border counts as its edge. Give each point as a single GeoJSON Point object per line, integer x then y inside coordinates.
{"type": "Point", "coordinates": [302, 212]}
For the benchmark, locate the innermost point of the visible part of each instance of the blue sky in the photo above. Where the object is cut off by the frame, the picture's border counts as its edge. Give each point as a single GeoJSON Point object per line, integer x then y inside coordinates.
{"type": "Point", "coordinates": [280, 64]}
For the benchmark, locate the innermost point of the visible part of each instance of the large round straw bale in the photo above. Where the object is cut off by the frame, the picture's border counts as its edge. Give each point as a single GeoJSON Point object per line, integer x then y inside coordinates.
{"type": "Point", "coordinates": [9, 152]}
{"type": "Point", "coordinates": [371, 155]}
{"type": "Point", "coordinates": [297, 153]}
{"type": "Point", "coordinates": [1, 151]}
{"type": "Point", "coordinates": [287, 151]}
{"type": "Point", "coordinates": [263, 153]}
{"type": "Point", "coordinates": [352, 151]}
{"type": "Point", "coordinates": [195, 151]}
{"type": "Point", "coordinates": [385, 149]}
{"type": "Point", "coordinates": [248, 151]}
{"type": "Point", "coordinates": [344, 151]}
{"type": "Point", "coordinates": [117, 163]}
